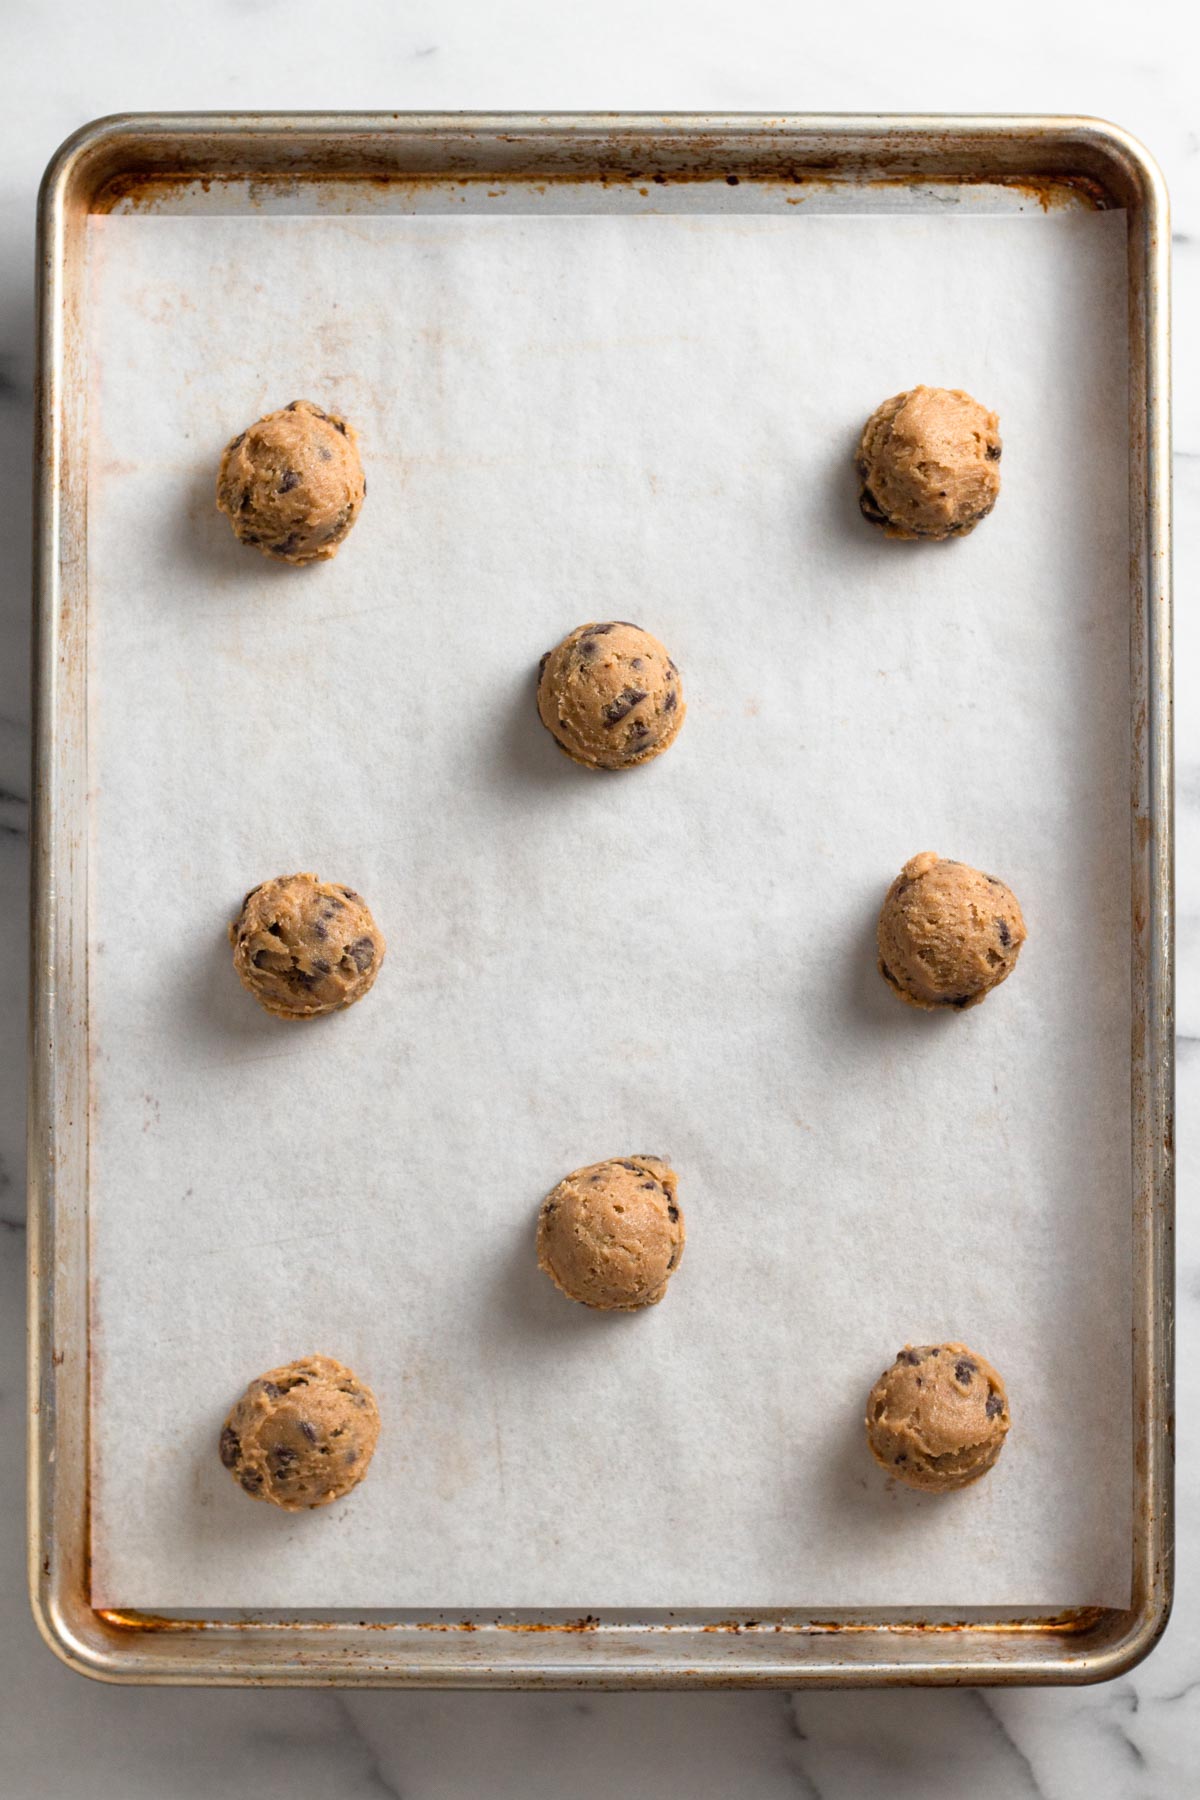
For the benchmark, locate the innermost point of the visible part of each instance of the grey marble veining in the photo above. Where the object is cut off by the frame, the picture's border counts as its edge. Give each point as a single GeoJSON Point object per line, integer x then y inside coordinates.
{"type": "Point", "coordinates": [61, 1737]}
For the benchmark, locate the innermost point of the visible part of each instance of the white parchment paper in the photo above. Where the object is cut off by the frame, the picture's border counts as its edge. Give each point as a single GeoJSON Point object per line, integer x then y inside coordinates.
{"type": "Point", "coordinates": [567, 418]}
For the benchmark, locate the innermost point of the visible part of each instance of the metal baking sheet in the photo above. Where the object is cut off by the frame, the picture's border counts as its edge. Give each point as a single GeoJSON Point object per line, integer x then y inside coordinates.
{"type": "Point", "coordinates": [763, 189]}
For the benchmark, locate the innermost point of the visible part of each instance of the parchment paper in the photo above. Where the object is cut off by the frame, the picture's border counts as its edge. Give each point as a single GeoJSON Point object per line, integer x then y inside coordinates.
{"type": "Point", "coordinates": [567, 418]}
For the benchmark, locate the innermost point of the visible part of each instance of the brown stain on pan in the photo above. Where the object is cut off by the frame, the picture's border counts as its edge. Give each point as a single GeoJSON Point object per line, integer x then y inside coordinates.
{"type": "Point", "coordinates": [1073, 1621]}
{"type": "Point", "coordinates": [154, 192]}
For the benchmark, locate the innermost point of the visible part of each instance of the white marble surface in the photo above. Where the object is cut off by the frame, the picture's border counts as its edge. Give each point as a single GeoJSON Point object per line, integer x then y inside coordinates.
{"type": "Point", "coordinates": [63, 62]}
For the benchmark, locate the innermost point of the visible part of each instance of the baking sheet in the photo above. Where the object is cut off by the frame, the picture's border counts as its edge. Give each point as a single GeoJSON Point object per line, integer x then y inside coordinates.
{"type": "Point", "coordinates": [567, 418]}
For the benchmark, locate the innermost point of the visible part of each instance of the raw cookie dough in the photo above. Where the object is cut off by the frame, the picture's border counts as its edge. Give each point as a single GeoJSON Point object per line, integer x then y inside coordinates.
{"type": "Point", "coordinates": [937, 1419]}
{"type": "Point", "coordinates": [929, 464]}
{"type": "Point", "coordinates": [947, 934]}
{"type": "Point", "coordinates": [292, 483]}
{"type": "Point", "coordinates": [302, 1435]}
{"type": "Point", "coordinates": [305, 947]}
{"type": "Point", "coordinates": [610, 1235]}
{"type": "Point", "coordinates": [610, 695]}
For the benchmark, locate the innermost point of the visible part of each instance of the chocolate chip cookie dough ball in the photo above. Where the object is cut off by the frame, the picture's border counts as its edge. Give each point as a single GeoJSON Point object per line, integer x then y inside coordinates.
{"type": "Point", "coordinates": [929, 464]}
{"type": "Point", "coordinates": [937, 1419]}
{"type": "Point", "coordinates": [292, 484]}
{"type": "Point", "coordinates": [610, 695]}
{"type": "Point", "coordinates": [947, 933]}
{"type": "Point", "coordinates": [611, 1234]}
{"type": "Point", "coordinates": [302, 1435]}
{"type": "Point", "coordinates": [305, 947]}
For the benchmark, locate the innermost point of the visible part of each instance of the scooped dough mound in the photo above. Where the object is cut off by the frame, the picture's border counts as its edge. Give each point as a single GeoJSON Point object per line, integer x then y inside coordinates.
{"type": "Point", "coordinates": [302, 1435]}
{"type": "Point", "coordinates": [947, 933]}
{"type": "Point", "coordinates": [937, 1419]}
{"type": "Point", "coordinates": [610, 695]}
{"type": "Point", "coordinates": [929, 464]}
{"type": "Point", "coordinates": [305, 947]}
{"type": "Point", "coordinates": [610, 1235]}
{"type": "Point", "coordinates": [292, 483]}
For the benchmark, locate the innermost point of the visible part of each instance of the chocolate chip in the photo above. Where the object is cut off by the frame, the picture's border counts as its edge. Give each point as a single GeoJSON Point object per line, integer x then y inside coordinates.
{"type": "Point", "coordinates": [1003, 933]}
{"type": "Point", "coordinates": [908, 1356]}
{"type": "Point", "coordinates": [636, 662]}
{"type": "Point", "coordinates": [963, 1371]}
{"type": "Point", "coordinates": [320, 929]}
{"type": "Point", "coordinates": [282, 1457]}
{"type": "Point", "coordinates": [672, 1211]}
{"type": "Point", "coordinates": [338, 424]}
{"type": "Point", "coordinates": [902, 1457]}
{"type": "Point", "coordinates": [362, 953]}
{"type": "Point", "coordinates": [238, 441]}
{"type": "Point", "coordinates": [270, 1389]}
{"type": "Point", "coordinates": [309, 1430]}
{"type": "Point", "coordinates": [244, 502]}
{"type": "Point", "coordinates": [673, 1261]}
{"type": "Point", "coordinates": [287, 546]}
{"type": "Point", "coordinates": [275, 929]}
{"type": "Point", "coordinates": [351, 895]}
{"type": "Point", "coordinates": [251, 1481]}
{"type": "Point", "coordinates": [870, 507]}
{"type": "Point", "coordinates": [994, 1405]}
{"type": "Point", "coordinates": [623, 705]}
{"type": "Point", "coordinates": [231, 1447]}
{"type": "Point", "coordinates": [291, 406]}
{"type": "Point", "coordinates": [350, 1458]}
{"type": "Point", "coordinates": [671, 701]}
{"type": "Point", "coordinates": [622, 1164]}
{"type": "Point", "coordinates": [326, 455]}
{"type": "Point", "coordinates": [543, 659]}
{"type": "Point", "coordinates": [993, 452]}
{"type": "Point", "coordinates": [320, 965]}
{"type": "Point", "coordinates": [598, 630]}
{"type": "Point", "coordinates": [650, 1185]}
{"type": "Point", "coordinates": [291, 479]}
{"type": "Point", "coordinates": [259, 959]}
{"type": "Point", "coordinates": [364, 487]}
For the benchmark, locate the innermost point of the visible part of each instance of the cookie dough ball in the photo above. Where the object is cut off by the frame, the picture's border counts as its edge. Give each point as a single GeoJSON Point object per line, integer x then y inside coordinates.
{"type": "Point", "coordinates": [610, 695]}
{"type": "Point", "coordinates": [947, 934]}
{"type": "Point", "coordinates": [302, 1435]}
{"type": "Point", "coordinates": [937, 1419]}
{"type": "Point", "coordinates": [292, 484]}
{"type": "Point", "coordinates": [929, 464]}
{"type": "Point", "coordinates": [611, 1234]}
{"type": "Point", "coordinates": [305, 947]}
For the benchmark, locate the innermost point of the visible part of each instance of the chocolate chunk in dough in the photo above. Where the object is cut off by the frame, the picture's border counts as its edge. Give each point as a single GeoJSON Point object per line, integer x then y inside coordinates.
{"type": "Point", "coordinates": [610, 1235]}
{"type": "Point", "coordinates": [292, 484]}
{"type": "Point", "coordinates": [610, 695]}
{"type": "Point", "coordinates": [937, 1419]}
{"type": "Point", "coordinates": [302, 1435]}
{"type": "Point", "coordinates": [305, 947]}
{"type": "Point", "coordinates": [947, 934]}
{"type": "Point", "coordinates": [928, 463]}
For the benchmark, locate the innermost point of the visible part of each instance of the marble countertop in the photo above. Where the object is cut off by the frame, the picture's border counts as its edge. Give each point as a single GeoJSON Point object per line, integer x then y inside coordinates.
{"type": "Point", "coordinates": [1137, 1738]}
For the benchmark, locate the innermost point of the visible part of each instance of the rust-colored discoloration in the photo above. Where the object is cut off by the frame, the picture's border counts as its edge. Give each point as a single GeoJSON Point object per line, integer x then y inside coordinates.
{"type": "Point", "coordinates": [144, 193]}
